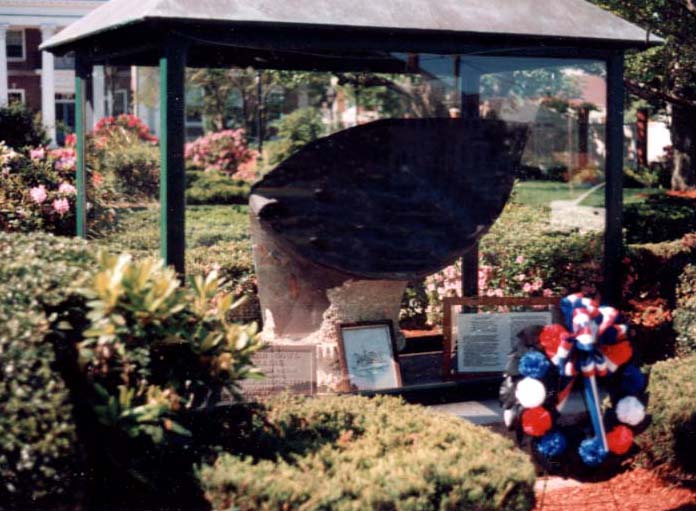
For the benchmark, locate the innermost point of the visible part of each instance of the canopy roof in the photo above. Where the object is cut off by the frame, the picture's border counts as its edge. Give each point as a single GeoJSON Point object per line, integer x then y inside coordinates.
{"type": "Point", "coordinates": [556, 22]}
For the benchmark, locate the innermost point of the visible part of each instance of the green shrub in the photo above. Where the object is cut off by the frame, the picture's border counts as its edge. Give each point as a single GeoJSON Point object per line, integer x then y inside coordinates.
{"type": "Point", "coordinates": [669, 439]}
{"type": "Point", "coordinates": [295, 130]}
{"type": "Point", "coordinates": [355, 453]}
{"type": "Point", "coordinates": [19, 127]}
{"type": "Point", "coordinates": [215, 188]}
{"type": "Point", "coordinates": [155, 348]}
{"type": "Point", "coordinates": [132, 169]}
{"type": "Point", "coordinates": [660, 217]}
{"type": "Point", "coordinates": [39, 459]}
{"type": "Point", "coordinates": [685, 313]}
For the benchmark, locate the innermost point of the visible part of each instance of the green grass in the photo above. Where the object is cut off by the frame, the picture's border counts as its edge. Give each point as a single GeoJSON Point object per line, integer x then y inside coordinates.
{"type": "Point", "coordinates": [216, 237]}
{"type": "Point", "coordinates": [541, 193]}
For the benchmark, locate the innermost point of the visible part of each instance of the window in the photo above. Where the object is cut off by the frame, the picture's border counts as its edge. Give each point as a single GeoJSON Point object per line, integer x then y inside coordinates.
{"type": "Point", "coordinates": [15, 96]}
{"type": "Point", "coordinates": [65, 62]}
{"type": "Point", "coordinates": [16, 48]}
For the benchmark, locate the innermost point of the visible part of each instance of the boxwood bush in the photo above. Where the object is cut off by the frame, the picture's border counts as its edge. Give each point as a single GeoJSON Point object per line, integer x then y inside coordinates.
{"type": "Point", "coordinates": [685, 314]}
{"type": "Point", "coordinates": [669, 440]}
{"type": "Point", "coordinates": [355, 453]}
{"type": "Point", "coordinates": [215, 188]}
{"type": "Point", "coordinates": [660, 217]}
{"type": "Point", "coordinates": [39, 458]}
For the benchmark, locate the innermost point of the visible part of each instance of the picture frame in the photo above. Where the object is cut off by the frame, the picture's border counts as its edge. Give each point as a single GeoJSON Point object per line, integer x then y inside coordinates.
{"type": "Point", "coordinates": [369, 357]}
{"type": "Point", "coordinates": [455, 306]}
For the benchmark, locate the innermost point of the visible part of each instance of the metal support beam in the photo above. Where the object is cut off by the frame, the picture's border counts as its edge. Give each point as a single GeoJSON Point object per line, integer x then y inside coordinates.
{"type": "Point", "coordinates": [172, 173]}
{"type": "Point", "coordinates": [613, 240]}
{"type": "Point", "coordinates": [470, 84]}
{"type": "Point", "coordinates": [82, 72]}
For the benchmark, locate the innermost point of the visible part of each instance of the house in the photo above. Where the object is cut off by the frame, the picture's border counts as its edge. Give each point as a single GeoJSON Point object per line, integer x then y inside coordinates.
{"type": "Point", "coordinates": [43, 82]}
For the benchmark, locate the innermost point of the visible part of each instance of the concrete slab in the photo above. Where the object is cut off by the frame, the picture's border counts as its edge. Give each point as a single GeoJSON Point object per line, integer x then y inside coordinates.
{"type": "Point", "coordinates": [489, 411]}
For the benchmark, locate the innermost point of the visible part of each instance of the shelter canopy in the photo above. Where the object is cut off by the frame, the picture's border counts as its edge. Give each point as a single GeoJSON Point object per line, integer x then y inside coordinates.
{"type": "Point", "coordinates": [137, 27]}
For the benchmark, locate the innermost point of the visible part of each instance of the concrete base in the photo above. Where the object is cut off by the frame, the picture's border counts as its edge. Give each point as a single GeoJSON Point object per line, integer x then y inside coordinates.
{"type": "Point", "coordinates": [303, 303]}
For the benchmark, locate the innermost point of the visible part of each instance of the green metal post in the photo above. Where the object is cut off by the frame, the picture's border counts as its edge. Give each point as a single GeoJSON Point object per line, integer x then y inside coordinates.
{"type": "Point", "coordinates": [81, 76]}
{"type": "Point", "coordinates": [470, 84]}
{"type": "Point", "coordinates": [172, 174]}
{"type": "Point", "coordinates": [613, 241]}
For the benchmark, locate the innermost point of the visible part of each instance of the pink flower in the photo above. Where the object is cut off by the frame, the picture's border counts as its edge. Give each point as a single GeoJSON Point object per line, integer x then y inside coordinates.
{"type": "Point", "coordinates": [38, 194]}
{"type": "Point", "coordinates": [61, 206]}
{"type": "Point", "coordinates": [37, 154]}
{"type": "Point", "coordinates": [548, 292]}
{"type": "Point", "coordinates": [67, 189]}
{"type": "Point", "coordinates": [520, 259]}
{"type": "Point", "coordinates": [527, 288]}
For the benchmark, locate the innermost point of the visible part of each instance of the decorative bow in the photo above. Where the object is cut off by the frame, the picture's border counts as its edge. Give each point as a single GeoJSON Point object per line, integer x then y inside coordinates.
{"type": "Point", "coordinates": [592, 345]}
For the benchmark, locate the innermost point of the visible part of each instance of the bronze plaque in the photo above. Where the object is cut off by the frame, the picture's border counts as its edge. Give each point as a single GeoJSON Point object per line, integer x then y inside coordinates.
{"type": "Point", "coordinates": [286, 368]}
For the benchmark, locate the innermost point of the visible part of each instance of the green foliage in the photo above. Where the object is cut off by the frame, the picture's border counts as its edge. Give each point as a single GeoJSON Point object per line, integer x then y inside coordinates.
{"type": "Point", "coordinates": [669, 438]}
{"type": "Point", "coordinates": [540, 262]}
{"type": "Point", "coordinates": [131, 168]}
{"type": "Point", "coordinates": [355, 453]}
{"type": "Point", "coordinates": [685, 313]}
{"type": "Point", "coordinates": [215, 188]}
{"type": "Point", "coordinates": [39, 458]}
{"type": "Point", "coordinates": [155, 348]}
{"type": "Point", "coordinates": [660, 217]}
{"type": "Point", "coordinates": [20, 127]}
{"type": "Point", "coordinates": [294, 132]}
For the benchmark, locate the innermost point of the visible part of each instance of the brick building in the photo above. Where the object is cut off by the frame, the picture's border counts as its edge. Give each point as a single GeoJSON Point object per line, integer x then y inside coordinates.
{"type": "Point", "coordinates": [44, 83]}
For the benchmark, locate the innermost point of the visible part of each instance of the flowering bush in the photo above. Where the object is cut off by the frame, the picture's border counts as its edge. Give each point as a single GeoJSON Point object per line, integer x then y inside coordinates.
{"type": "Point", "coordinates": [124, 152]}
{"type": "Point", "coordinates": [223, 151]}
{"type": "Point", "coordinates": [125, 126]}
{"type": "Point", "coordinates": [37, 192]}
{"type": "Point", "coordinates": [540, 262]}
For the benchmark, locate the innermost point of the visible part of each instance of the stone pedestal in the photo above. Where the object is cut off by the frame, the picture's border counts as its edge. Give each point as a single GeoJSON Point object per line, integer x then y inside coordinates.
{"type": "Point", "coordinates": [304, 303]}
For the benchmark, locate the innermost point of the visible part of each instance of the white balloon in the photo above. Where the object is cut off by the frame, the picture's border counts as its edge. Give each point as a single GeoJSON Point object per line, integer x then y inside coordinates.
{"type": "Point", "coordinates": [630, 410]}
{"type": "Point", "coordinates": [530, 393]}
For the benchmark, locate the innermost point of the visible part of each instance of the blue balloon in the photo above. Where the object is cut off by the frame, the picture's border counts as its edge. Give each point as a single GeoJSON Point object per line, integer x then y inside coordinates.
{"type": "Point", "coordinates": [633, 380]}
{"type": "Point", "coordinates": [534, 364]}
{"type": "Point", "coordinates": [552, 444]}
{"type": "Point", "coordinates": [592, 452]}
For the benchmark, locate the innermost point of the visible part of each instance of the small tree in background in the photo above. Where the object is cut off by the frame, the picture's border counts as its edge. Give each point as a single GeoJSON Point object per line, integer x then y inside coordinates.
{"type": "Point", "coordinates": [20, 127]}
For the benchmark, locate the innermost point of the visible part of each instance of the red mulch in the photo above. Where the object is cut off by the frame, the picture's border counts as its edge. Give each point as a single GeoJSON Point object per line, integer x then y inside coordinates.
{"type": "Point", "coordinates": [686, 194]}
{"type": "Point", "coordinates": [635, 490]}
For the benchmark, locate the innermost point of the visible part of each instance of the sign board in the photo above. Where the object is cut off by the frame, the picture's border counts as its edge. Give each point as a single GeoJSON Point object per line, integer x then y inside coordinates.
{"type": "Point", "coordinates": [485, 340]}
{"type": "Point", "coordinates": [286, 368]}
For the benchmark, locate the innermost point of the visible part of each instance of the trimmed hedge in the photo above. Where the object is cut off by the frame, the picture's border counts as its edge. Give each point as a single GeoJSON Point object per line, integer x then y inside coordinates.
{"type": "Point", "coordinates": [685, 314]}
{"type": "Point", "coordinates": [660, 217]}
{"type": "Point", "coordinates": [669, 440]}
{"type": "Point", "coordinates": [355, 453]}
{"type": "Point", "coordinates": [39, 458]}
{"type": "Point", "coordinates": [215, 188]}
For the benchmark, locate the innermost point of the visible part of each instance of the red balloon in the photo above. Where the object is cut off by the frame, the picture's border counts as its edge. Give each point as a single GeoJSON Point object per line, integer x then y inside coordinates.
{"type": "Point", "coordinates": [536, 421]}
{"type": "Point", "coordinates": [619, 353]}
{"type": "Point", "coordinates": [550, 338]}
{"type": "Point", "coordinates": [620, 439]}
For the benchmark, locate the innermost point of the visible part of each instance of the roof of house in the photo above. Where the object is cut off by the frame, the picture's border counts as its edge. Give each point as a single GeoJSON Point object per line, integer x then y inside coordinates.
{"type": "Point", "coordinates": [555, 19]}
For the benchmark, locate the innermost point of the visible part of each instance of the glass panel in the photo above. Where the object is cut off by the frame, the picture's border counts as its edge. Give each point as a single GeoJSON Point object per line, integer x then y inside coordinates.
{"type": "Point", "coordinates": [375, 182]}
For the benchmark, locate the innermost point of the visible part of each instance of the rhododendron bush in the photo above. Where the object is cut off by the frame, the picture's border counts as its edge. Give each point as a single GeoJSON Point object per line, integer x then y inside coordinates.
{"type": "Point", "coordinates": [537, 262]}
{"type": "Point", "coordinates": [223, 151]}
{"type": "Point", "coordinates": [37, 192]}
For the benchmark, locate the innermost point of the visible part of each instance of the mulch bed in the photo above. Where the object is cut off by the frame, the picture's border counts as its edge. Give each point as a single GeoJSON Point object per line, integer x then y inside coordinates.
{"type": "Point", "coordinates": [635, 490]}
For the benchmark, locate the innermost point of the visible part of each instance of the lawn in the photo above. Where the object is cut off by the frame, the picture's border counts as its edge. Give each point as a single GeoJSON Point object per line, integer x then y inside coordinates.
{"type": "Point", "coordinates": [541, 193]}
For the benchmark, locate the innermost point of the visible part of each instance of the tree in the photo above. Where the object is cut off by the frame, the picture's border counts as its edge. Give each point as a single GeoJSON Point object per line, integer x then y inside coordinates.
{"type": "Point", "coordinates": [665, 76]}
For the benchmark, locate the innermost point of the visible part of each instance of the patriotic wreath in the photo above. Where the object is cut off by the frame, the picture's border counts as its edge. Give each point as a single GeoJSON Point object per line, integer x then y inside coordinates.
{"type": "Point", "coordinates": [592, 349]}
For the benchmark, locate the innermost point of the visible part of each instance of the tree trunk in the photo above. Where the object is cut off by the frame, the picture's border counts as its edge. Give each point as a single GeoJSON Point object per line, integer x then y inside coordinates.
{"type": "Point", "coordinates": [684, 142]}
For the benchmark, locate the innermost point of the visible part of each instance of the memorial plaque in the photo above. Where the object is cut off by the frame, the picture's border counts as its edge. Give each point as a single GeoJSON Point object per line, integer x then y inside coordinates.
{"type": "Point", "coordinates": [286, 368]}
{"type": "Point", "coordinates": [485, 340]}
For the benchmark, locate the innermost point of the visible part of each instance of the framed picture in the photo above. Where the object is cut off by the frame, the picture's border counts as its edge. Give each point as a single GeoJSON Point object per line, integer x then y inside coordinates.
{"type": "Point", "coordinates": [368, 356]}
